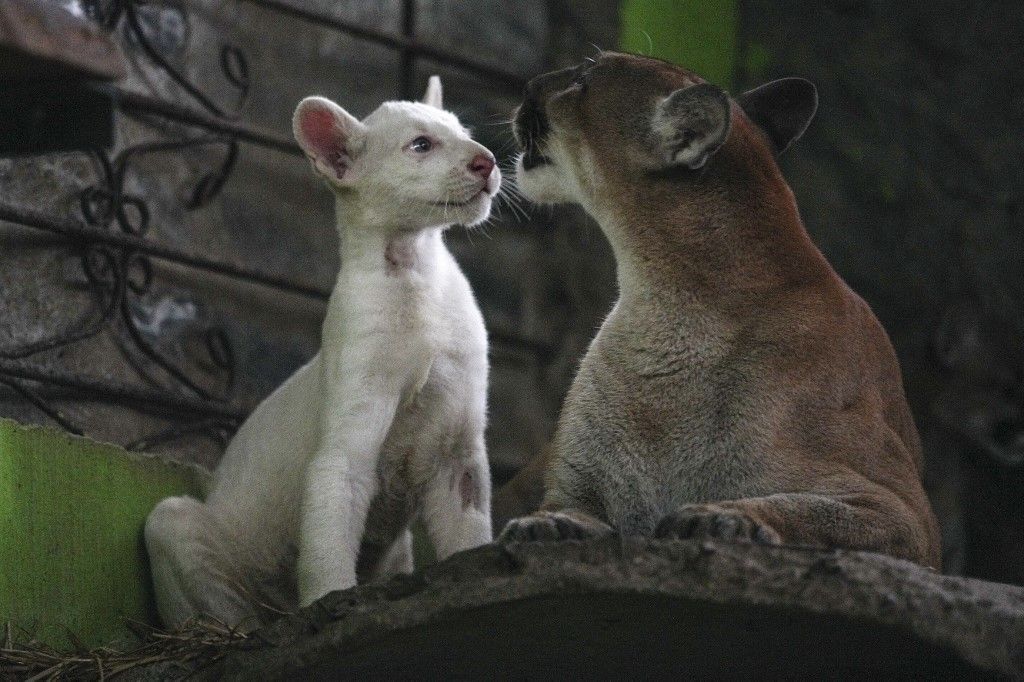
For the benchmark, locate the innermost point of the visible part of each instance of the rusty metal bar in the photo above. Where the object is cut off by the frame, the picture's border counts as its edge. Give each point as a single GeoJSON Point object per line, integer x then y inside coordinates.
{"type": "Point", "coordinates": [136, 398]}
{"type": "Point", "coordinates": [510, 80]}
{"type": "Point", "coordinates": [135, 102]}
{"type": "Point", "coordinates": [408, 60]}
{"type": "Point", "coordinates": [42, 40]}
{"type": "Point", "coordinates": [78, 230]}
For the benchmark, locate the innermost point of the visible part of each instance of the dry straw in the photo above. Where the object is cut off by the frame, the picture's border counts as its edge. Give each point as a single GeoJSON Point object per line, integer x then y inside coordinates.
{"type": "Point", "coordinates": [195, 646]}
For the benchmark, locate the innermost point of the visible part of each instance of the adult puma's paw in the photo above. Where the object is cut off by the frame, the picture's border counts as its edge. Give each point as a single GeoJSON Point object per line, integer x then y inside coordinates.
{"type": "Point", "coordinates": [553, 526]}
{"type": "Point", "coordinates": [712, 521]}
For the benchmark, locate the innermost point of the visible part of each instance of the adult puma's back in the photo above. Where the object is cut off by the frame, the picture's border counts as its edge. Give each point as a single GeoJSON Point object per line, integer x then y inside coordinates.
{"type": "Point", "coordinates": [738, 388]}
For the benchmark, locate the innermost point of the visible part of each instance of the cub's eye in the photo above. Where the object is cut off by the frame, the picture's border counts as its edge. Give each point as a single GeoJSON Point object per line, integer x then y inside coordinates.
{"type": "Point", "coordinates": [421, 145]}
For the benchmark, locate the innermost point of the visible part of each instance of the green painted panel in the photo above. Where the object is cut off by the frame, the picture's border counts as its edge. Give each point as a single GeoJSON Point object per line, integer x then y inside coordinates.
{"type": "Point", "coordinates": [700, 35]}
{"type": "Point", "coordinates": [758, 59]}
{"type": "Point", "coordinates": [71, 518]}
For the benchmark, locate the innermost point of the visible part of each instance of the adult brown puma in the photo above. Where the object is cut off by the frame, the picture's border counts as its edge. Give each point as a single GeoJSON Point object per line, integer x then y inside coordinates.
{"type": "Point", "coordinates": [738, 389]}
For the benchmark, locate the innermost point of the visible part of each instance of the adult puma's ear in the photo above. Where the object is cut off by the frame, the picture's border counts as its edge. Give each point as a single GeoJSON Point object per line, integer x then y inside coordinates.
{"type": "Point", "coordinates": [433, 95]}
{"type": "Point", "coordinates": [691, 124]}
{"type": "Point", "coordinates": [782, 108]}
{"type": "Point", "coordinates": [328, 135]}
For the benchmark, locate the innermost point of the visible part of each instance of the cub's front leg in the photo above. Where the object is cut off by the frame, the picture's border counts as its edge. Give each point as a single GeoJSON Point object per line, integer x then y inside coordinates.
{"type": "Point", "coordinates": [341, 481]}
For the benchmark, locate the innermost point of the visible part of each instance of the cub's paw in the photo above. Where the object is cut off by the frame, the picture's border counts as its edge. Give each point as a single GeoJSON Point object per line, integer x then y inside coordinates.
{"type": "Point", "coordinates": [553, 526]}
{"type": "Point", "coordinates": [712, 521]}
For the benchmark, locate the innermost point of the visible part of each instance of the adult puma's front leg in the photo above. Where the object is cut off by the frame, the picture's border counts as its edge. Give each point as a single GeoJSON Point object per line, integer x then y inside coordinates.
{"type": "Point", "coordinates": [874, 521]}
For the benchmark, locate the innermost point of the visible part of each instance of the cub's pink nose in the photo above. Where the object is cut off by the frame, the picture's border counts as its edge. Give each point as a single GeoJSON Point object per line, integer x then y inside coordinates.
{"type": "Point", "coordinates": [482, 165]}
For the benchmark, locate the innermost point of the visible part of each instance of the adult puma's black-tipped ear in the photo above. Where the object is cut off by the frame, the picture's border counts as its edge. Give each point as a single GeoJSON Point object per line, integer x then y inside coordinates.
{"type": "Point", "coordinates": [782, 108]}
{"type": "Point", "coordinates": [691, 124]}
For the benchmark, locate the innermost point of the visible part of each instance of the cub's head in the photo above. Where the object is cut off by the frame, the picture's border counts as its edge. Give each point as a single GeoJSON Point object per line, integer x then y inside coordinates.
{"type": "Point", "coordinates": [620, 118]}
{"type": "Point", "coordinates": [408, 165]}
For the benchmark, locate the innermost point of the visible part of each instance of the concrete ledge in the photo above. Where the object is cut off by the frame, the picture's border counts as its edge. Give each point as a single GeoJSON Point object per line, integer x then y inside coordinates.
{"type": "Point", "coordinates": [648, 609]}
{"type": "Point", "coordinates": [71, 517]}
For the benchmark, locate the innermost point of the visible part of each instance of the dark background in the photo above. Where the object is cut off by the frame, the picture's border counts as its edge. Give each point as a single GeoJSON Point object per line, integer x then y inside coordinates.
{"type": "Point", "coordinates": [909, 180]}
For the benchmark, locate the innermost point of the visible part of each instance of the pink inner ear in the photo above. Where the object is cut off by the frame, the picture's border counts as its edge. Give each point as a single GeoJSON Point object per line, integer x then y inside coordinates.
{"type": "Point", "coordinates": [320, 130]}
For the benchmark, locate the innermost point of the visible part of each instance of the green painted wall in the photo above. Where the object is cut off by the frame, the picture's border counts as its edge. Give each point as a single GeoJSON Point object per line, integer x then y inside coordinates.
{"type": "Point", "coordinates": [71, 518]}
{"type": "Point", "coordinates": [697, 34]}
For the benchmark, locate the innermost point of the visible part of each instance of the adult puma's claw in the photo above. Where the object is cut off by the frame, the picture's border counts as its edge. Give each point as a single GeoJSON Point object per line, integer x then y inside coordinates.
{"type": "Point", "coordinates": [711, 521]}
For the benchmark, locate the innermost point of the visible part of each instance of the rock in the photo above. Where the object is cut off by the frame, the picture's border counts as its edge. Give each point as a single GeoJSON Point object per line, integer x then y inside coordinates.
{"type": "Point", "coordinates": [617, 608]}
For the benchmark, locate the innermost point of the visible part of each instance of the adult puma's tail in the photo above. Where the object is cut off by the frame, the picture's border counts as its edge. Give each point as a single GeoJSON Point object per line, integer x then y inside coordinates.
{"type": "Point", "coordinates": [523, 494]}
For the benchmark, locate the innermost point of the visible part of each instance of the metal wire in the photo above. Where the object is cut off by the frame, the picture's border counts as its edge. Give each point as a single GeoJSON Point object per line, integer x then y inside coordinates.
{"type": "Point", "coordinates": [407, 43]}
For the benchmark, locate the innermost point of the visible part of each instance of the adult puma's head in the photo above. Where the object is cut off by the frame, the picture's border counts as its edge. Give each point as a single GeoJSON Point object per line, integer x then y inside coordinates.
{"type": "Point", "coordinates": [407, 165]}
{"type": "Point", "coordinates": [621, 118]}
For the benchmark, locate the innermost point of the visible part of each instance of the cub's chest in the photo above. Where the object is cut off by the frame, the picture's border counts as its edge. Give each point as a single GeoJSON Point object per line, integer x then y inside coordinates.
{"type": "Point", "coordinates": [419, 374]}
{"type": "Point", "coordinates": [391, 313]}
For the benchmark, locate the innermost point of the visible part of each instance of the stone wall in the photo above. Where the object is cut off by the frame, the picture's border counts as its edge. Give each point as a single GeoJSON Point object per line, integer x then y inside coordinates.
{"type": "Point", "coordinates": [539, 284]}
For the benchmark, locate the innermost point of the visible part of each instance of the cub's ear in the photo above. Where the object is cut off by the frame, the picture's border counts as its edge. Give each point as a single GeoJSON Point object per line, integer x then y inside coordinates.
{"type": "Point", "coordinates": [433, 95]}
{"type": "Point", "coordinates": [782, 108]}
{"type": "Point", "coordinates": [691, 124]}
{"type": "Point", "coordinates": [328, 135]}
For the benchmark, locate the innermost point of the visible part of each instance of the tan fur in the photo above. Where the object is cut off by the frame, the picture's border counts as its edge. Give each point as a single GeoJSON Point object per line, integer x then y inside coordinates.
{"type": "Point", "coordinates": [738, 388]}
{"type": "Point", "coordinates": [523, 493]}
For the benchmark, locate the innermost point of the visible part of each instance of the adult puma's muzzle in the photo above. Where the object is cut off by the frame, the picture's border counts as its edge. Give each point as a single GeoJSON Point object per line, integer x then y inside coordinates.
{"type": "Point", "coordinates": [531, 127]}
{"type": "Point", "coordinates": [531, 122]}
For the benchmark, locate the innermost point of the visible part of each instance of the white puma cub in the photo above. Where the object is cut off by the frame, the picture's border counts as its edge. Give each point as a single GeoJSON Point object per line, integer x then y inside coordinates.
{"type": "Point", "coordinates": [386, 422]}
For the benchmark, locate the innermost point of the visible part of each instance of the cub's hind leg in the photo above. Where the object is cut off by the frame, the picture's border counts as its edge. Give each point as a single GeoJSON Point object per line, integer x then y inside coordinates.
{"type": "Point", "coordinates": [398, 558]}
{"type": "Point", "coordinates": [194, 575]}
{"type": "Point", "coordinates": [457, 506]}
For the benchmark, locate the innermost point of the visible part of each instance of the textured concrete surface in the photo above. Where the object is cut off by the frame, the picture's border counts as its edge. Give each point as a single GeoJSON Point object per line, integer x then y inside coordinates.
{"type": "Point", "coordinates": [612, 609]}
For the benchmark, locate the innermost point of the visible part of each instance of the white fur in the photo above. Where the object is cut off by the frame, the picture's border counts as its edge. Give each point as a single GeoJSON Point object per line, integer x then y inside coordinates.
{"type": "Point", "coordinates": [434, 92]}
{"type": "Point", "coordinates": [565, 179]}
{"type": "Point", "coordinates": [388, 416]}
